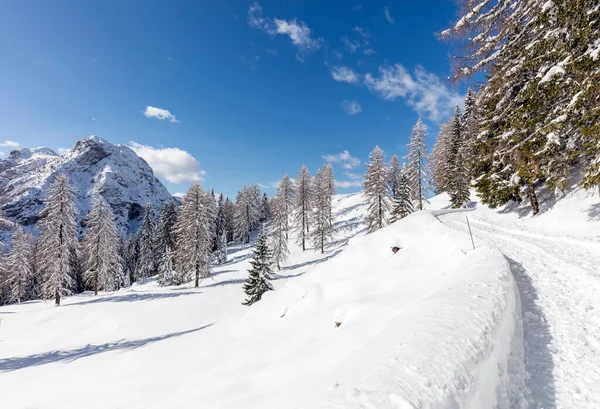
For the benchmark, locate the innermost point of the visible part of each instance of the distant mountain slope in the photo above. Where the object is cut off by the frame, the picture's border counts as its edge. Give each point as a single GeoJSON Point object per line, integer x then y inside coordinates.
{"type": "Point", "coordinates": [95, 166]}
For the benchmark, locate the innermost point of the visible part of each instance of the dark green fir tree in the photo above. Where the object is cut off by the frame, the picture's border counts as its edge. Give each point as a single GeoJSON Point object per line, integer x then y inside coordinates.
{"type": "Point", "coordinates": [260, 274]}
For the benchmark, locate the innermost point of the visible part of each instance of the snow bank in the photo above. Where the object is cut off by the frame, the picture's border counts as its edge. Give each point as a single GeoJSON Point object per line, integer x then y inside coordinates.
{"type": "Point", "coordinates": [436, 325]}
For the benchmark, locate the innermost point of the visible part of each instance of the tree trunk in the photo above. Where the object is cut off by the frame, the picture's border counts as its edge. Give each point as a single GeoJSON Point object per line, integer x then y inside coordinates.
{"type": "Point", "coordinates": [533, 198]}
{"type": "Point", "coordinates": [57, 298]}
{"type": "Point", "coordinates": [197, 283]}
{"type": "Point", "coordinates": [96, 284]}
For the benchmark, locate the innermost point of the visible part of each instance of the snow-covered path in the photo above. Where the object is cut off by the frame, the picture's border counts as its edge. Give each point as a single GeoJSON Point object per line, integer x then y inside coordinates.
{"type": "Point", "coordinates": [559, 284]}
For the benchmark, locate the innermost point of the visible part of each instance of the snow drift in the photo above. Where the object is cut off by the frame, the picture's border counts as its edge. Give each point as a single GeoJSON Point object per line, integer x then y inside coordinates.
{"type": "Point", "coordinates": [436, 325]}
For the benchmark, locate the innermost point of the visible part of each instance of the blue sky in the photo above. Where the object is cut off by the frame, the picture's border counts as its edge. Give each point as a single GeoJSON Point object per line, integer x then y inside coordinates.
{"type": "Point", "coordinates": [241, 92]}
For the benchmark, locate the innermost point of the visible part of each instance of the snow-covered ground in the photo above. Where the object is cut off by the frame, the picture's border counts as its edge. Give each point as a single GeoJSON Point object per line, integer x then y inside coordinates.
{"type": "Point", "coordinates": [437, 325]}
{"type": "Point", "coordinates": [555, 258]}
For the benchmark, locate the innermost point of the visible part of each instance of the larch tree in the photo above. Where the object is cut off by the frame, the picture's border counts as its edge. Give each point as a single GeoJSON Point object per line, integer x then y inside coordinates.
{"type": "Point", "coordinates": [303, 215]}
{"type": "Point", "coordinates": [20, 266]}
{"type": "Point", "coordinates": [323, 229]}
{"type": "Point", "coordinates": [164, 243]}
{"type": "Point", "coordinates": [229, 214]}
{"type": "Point", "coordinates": [103, 267]}
{"type": "Point", "coordinates": [260, 273]}
{"type": "Point", "coordinates": [221, 232]}
{"type": "Point", "coordinates": [416, 166]}
{"type": "Point", "coordinates": [286, 191]}
{"type": "Point", "coordinates": [265, 210]}
{"type": "Point", "coordinates": [146, 265]}
{"type": "Point", "coordinates": [56, 251]}
{"type": "Point", "coordinates": [402, 201]}
{"type": "Point", "coordinates": [193, 238]}
{"type": "Point", "coordinates": [330, 182]}
{"type": "Point", "coordinates": [376, 191]}
{"type": "Point", "coordinates": [247, 213]}
{"type": "Point", "coordinates": [278, 231]}
{"type": "Point", "coordinates": [393, 175]}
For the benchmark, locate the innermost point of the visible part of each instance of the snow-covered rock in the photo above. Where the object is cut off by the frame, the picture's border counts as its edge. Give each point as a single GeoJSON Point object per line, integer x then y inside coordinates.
{"type": "Point", "coordinates": [94, 166]}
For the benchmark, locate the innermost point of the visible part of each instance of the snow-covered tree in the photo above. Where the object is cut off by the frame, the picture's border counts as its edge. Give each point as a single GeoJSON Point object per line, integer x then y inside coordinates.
{"type": "Point", "coordinates": [265, 208]}
{"type": "Point", "coordinates": [394, 171]}
{"type": "Point", "coordinates": [323, 229]}
{"type": "Point", "coordinates": [286, 191]}
{"type": "Point", "coordinates": [376, 193]}
{"type": "Point", "coordinates": [193, 237]}
{"type": "Point", "coordinates": [260, 273]}
{"type": "Point", "coordinates": [438, 165]}
{"type": "Point", "coordinates": [402, 202]}
{"type": "Point", "coordinates": [123, 251]}
{"type": "Point", "coordinates": [303, 216]}
{"type": "Point", "coordinates": [221, 233]}
{"type": "Point", "coordinates": [56, 251]}
{"type": "Point", "coordinates": [210, 204]}
{"type": "Point", "coordinates": [458, 178]}
{"type": "Point", "coordinates": [279, 229]}
{"type": "Point", "coordinates": [20, 266]}
{"type": "Point", "coordinates": [229, 214]}
{"type": "Point", "coordinates": [416, 166]}
{"type": "Point", "coordinates": [221, 253]}
{"type": "Point", "coordinates": [132, 256]}
{"type": "Point", "coordinates": [103, 268]}
{"type": "Point", "coordinates": [247, 212]}
{"type": "Point", "coordinates": [146, 266]}
{"type": "Point", "coordinates": [164, 242]}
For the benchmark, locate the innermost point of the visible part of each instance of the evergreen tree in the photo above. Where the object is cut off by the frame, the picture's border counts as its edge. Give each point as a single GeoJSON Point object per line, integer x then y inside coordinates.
{"type": "Point", "coordinates": [164, 241]}
{"type": "Point", "coordinates": [20, 266]}
{"type": "Point", "coordinates": [376, 191]}
{"type": "Point", "coordinates": [193, 238]}
{"type": "Point", "coordinates": [260, 273]}
{"type": "Point", "coordinates": [133, 257]}
{"type": "Point", "coordinates": [416, 167]}
{"type": "Point", "coordinates": [304, 199]}
{"type": "Point", "coordinates": [103, 268]}
{"type": "Point", "coordinates": [330, 182]}
{"type": "Point", "coordinates": [146, 266]}
{"type": "Point", "coordinates": [221, 233]}
{"type": "Point", "coordinates": [458, 178]}
{"type": "Point", "coordinates": [56, 252]}
{"type": "Point", "coordinates": [279, 229]}
{"type": "Point", "coordinates": [438, 165]}
{"type": "Point", "coordinates": [124, 254]}
{"type": "Point", "coordinates": [229, 215]}
{"type": "Point", "coordinates": [221, 253]}
{"type": "Point", "coordinates": [210, 204]}
{"type": "Point", "coordinates": [322, 209]}
{"type": "Point", "coordinates": [286, 191]}
{"type": "Point", "coordinates": [402, 202]}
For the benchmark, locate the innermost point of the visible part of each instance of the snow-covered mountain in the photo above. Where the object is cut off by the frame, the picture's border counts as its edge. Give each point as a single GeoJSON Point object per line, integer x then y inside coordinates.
{"type": "Point", "coordinates": [95, 166]}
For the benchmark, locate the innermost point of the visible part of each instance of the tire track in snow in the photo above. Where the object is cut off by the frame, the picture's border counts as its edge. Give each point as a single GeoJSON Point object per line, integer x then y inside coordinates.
{"type": "Point", "coordinates": [560, 287]}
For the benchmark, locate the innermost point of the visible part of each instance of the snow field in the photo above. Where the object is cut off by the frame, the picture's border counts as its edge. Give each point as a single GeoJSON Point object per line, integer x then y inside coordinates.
{"type": "Point", "coordinates": [435, 326]}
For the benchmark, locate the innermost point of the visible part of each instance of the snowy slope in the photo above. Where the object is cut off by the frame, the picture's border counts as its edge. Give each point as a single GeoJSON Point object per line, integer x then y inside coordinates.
{"type": "Point", "coordinates": [555, 258]}
{"type": "Point", "coordinates": [94, 166]}
{"type": "Point", "coordinates": [435, 326]}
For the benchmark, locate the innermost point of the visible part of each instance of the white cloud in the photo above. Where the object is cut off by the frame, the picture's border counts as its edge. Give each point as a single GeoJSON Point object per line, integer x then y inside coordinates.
{"type": "Point", "coordinates": [388, 15]}
{"type": "Point", "coordinates": [9, 144]}
{"type": "Point", "coordinates": [344, 158]}
{"type": "Point", "coordinates": [297, 31]}
{"type": "Point", "coordinates": [2, 154]}
{"type": "Point", "coordinates": [179, 194]}
{"type": "Point", "coordinates": [171, 164]}
{"type": "Point", "coordinates": [423, 91]}
{"type": "Point", "coordinates": [351, 107]}
{"type": "Point", "coordinates": [353, 176]}
{"type": "Point", "coordinates": [350, 45]}
{"type": "Point", "coordinates": [344, 74]}
{"type": "Point", "coordinates": [159, 113]}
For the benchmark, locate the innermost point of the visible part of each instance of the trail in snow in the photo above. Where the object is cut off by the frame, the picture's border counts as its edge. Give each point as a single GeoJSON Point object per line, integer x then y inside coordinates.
{"type": "Point", "coordinates": [559, 284]}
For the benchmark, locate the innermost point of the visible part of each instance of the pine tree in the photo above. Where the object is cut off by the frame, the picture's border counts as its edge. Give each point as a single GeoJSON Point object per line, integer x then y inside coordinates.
{"type": "Point", "coordinates": [286, 191]}
{"type": "Point", "coordinates": [278, 232]}
{"type": "Point", "coordinates": [20, 266]}
{"type": "Point", "coordinates": [193, 238]}
{"type": "Point", "coordinates": [133, 256]}
{"type": "Point", "coordinates": [303, 212]}
{"type": "Point", "coordinates": [438, 165]}
{"type": "Point", "coordinates": [416, 167]}
{"type": "Point", "coordinates": [123, 251]}
{"type": "Point", "coordinates": [229, 215]}
{"type": "Point", "coordinates": [322, 231]}
{"type": "Point", "coordinates": [376, 191]}
{"type": "Point", "coordinates": [146, 266]}
{"type": "Point", "coordinates": [402, 202]}
{"type": "Point", "coordinates": [458, 178]}
{"type": "Point", "coordinates": [221, 253]}
{"type": "Point", "coordinates": [164, 243]}
{"type": "Point", "coordinates": [260, 274]}
{"type": "Point", "coordinates": [103, 268]}
{"type": "Point", "coordinates": [56, 252]}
